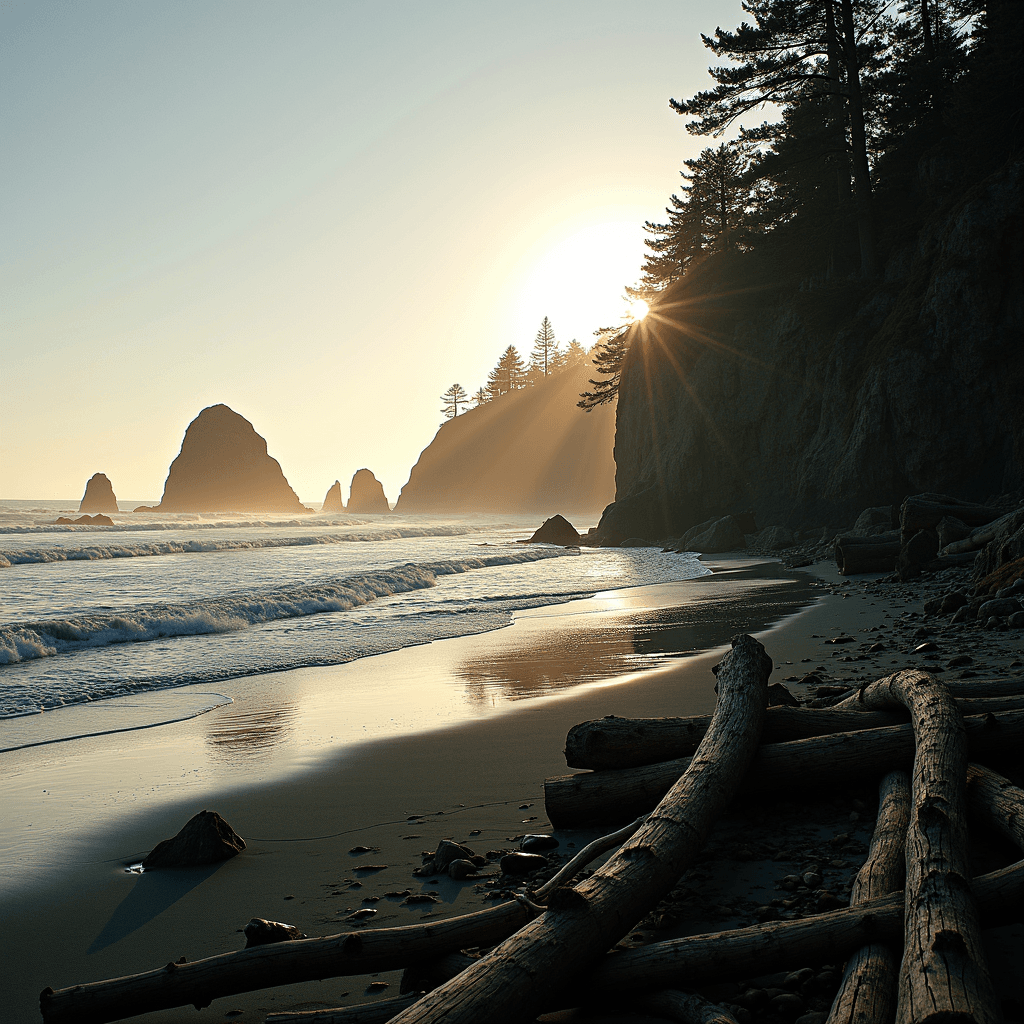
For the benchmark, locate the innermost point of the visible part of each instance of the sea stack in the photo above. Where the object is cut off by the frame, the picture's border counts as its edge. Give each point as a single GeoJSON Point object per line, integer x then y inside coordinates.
{"type": "Point", "coordinates": [99, 495]}
{"type": "Point", "coordinates": [367, 494]}
{"type": "Point", "coordinates": [333, 502]}
{"type": "Point", "coordinates": [223, 466]}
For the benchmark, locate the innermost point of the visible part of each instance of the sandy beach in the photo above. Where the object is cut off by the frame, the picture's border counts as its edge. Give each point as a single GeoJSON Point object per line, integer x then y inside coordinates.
{"type": "Point", "coordinates": [296, 781]}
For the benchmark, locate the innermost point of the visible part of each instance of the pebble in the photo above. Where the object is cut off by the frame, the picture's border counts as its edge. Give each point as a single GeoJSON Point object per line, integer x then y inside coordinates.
{"type": "Point", "coordinates": [789, 1004]}
{"type": "Point", "coordinates": [460, 869]}
{"type": "Point", "coordinates": [522, 863]}
{"type": "Point", "coordinates": [537, 844]}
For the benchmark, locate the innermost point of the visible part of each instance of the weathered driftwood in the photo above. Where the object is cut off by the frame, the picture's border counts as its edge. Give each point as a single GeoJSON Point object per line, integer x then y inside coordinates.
{"type": "Point", "coordinates": [586, 855]}
{"type": "Point", "coordinates": [943, 974]}
{"type": "Point", "coordinates": [683, 1007]}
{"type": "Point", "coordinates": [379, 1012]}
{"type": "Point", "coordinates": [924, 511]}
{"type": "Point", "coordinates": [608, 797]}
{"type": "Point", "coordinates": [978, 538]}
{"type": "Point", "coordinates": [856, 558]}
{"type": "Point", "coordinates": [868, 989]}
{"type": "Point", "coordinates": [999, 800]}
{"type": "Point", "coordinates": [632, 742]}
{"type": "Point", "coordinates": [517, 979]}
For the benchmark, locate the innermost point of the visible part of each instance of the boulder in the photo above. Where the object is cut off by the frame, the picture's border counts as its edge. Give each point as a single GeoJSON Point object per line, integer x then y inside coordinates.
{"type": "Point", "coordinates": [722, 535]}
{"type": "Point", "coordinates": [99, 495]}
{"type": "Point", "coordinates": [260, 932]}
{"type": "Point", "coordinates": [775, 538]}
{"type": "Point", "coordinates": [951, 529]}
{"type": "Point", "coordinates": [333, 501]}
{"type": "Point", "coordinates": [97, 520]}
{"type": "Point", "coordinates": [556, 530]}
{"type": "Point", "coordinates": [223, 466]}
{"type": "Point", "coordinates": [205, 838]}
{"type": "Point", "coordinates": [921, 548]}
{"type": "Point", "coordinates": [366, 494]}
{"type": "Point", "coordinates": [875, 520]}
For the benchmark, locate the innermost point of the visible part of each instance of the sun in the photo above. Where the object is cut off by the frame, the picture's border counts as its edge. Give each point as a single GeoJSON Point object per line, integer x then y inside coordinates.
{"type": "Point", "coordinates": [638, 310]}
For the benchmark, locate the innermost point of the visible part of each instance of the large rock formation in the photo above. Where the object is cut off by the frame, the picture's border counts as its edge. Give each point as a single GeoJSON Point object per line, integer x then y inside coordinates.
{"type": "Point", "coordinates": [333, 501]}
{"type": "Point", "coordinates": [811, 405]}
{"type": "Point", "coordinates": [529, 451]}
{"type": "Point", "coordinates": [99, 495]}
{"type": "Point", "coordinates": [224, 467]}
{"type": "Point", "coordinates": [367, 494]}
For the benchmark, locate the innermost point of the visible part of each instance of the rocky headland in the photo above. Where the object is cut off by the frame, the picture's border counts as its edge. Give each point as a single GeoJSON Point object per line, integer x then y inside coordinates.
{"type": "Point", "coordinates": [224, 466]}
{"type": "Point", "coordinates": [99, 495]}
{"type": "Point", "coordinates": [366, 494]}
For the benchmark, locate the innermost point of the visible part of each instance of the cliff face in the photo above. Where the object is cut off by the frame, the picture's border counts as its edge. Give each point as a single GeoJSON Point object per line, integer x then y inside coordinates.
{"type": "Point", "coordinates": [366, 493]}
{"type": "Point", "coordinates": [223, 466]}
{"type": "Point", "coordinates": [99, 495]}
{"type": "Point", "coordinates": [528, 451]}
{"type": "Point", "coordinates": [828, 402]}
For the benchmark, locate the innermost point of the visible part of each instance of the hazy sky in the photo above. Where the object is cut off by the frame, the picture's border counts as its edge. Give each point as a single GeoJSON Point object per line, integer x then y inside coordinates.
{"type": "Point", "coordinates": [320, 214]}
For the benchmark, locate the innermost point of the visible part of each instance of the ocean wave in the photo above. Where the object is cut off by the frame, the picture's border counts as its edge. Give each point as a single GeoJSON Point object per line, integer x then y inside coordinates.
{"type": "Point", "coordinates": [32, 640]}
{"type": "Point", "coordinates": [14, 523]}
{"type": "Point", "coordinates": [98, 552]}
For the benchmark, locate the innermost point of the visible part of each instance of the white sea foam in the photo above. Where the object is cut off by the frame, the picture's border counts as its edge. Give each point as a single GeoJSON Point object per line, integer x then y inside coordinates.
{"type": "Point", "coordinates": [27, 641]}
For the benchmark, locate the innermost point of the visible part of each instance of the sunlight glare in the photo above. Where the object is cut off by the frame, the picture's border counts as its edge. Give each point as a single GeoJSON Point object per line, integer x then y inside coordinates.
{"type": "Point", "coordinates": [638, 310]}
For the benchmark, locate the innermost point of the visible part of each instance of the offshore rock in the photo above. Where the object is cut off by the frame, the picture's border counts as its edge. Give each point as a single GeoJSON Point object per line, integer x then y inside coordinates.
{"type": "Point", "coordinates": [366, 494]}
{"type": "Point", "coordinates": [206, 838]}
{"type": "Point", "coordinates": [223, 466]}
{"type": "Point", "coordinates": [556, 530]}
{"type": "Point", "coordinates": [99, 495]}
{"type": "Point", "coordinates": [333, 501]}
{"type": "Point", "coordinates": [96, 520]}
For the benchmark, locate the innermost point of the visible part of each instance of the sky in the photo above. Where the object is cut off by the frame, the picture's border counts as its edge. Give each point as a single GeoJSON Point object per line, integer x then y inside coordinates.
{"type": "Point", "coordinates": [319, 214]}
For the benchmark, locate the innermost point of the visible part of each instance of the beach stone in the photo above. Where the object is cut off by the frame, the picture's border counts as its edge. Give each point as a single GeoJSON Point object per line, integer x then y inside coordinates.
{"type": "Point", "coordinates": [779, 695]}
{"type": "Point", "coordinates": [1016, 620]}
{"type": "Point", "coordinates": [811, 879]}
{"type": "Point", "coordinates": [537, 844]}
{"type": "Point", "coordinates": [875, 520]}
{"type": "Point", "coordinates": [260, 932]}
{"type": "Point", "coordinates": [952, 602]}
{"type": "Point", "coordinates": [789, 1004]}
{"type": "Point", "coordinates": [447, 851]}
{"type": "Point", "coordinates": [999, 607]}
{"type": "Point", "coordinates": [460, 869]}
{"type": "Point", "coordinates": [522, 863]}
{"type": "Point", "coordinates": [556, 530]}
{"type": "Point", "coordinates": [206, 838]}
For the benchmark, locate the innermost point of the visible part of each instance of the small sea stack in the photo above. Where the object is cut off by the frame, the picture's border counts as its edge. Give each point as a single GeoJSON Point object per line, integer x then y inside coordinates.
{"type": "Point", "coordinates": [367, 494]}
{"type": "Point", "coordinates": [333, 501]}
{"type": "Point", "coordinates": [99, 495]}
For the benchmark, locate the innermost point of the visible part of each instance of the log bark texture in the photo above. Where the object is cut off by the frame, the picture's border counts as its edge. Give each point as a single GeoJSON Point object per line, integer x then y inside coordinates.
{"type": "Point", "coordinates": [867, 993]}
{"type": "Point", "coordinates": [684, 1007]}
{"type": "Point", "coordinates": [999, 800]}
{"type": "Point", "coordinates": [516, 980]}
{"type": "Point", "coordinates": [943, 975]}
{"type": "Point", "coordinates": [610, 797]}
{"type": "Point", "coordinates": [379, 1012]}
{"type": "Point", "coordinates": [632, 742]}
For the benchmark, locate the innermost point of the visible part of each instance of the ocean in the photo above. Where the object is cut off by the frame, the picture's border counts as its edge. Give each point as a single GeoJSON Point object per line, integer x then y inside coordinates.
{"type": "Point", "coordinates": [164, 601]}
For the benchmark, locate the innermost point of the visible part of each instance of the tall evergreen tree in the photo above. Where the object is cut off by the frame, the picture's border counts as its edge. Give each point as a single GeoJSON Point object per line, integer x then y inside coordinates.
{"type": "Point", "coordinates": [508, 375]}
{"type": "Point", "coordinates": [545, 348]}
{"type": "Point", "coordinates": [607, 358]}
{"type": "Point", "coordinates": [453, 398]}
{"type": "Point", "coordinates": [481, 397]}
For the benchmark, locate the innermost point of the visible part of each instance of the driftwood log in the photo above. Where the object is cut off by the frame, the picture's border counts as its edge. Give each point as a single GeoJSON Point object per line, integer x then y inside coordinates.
{"type": "Point", "coordinates": [683, 1007]}
{"type": "Point", "coordinates": [609, 797]}
{"type": "Point", "coordinates": [943, 975]}
{"type": "Point", "coordinates": [519, 977]}
{"type": "Point", "coordinates": [868, 989]}
{"type": "Point", "coordinates": [379, 1012]}
{"type": "Point", "coordinates": [925, 511]}
{"type": "Point", "coordinates": [632, 742]}
{"type": "Point", "coordinates": [858, 557]}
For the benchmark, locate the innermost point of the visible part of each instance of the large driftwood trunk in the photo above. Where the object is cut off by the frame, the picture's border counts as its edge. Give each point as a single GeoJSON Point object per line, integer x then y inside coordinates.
{"type": "Point", "coordinates": [517, 979]}
{"type": "Point", "coordinates": [868, 990]}
{"type": "Point", "coordinates": [943, 975]}
{"type": "Point", "coordinates": [998, 800]}
{"type": "Point", "coordinates": [616, 796]}
{"type": "Point", "coordinates": [632, 742]}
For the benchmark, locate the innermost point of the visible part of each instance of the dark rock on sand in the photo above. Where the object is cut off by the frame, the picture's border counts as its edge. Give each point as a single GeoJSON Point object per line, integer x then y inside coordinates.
{"type": "Point", "coordinates": [99, 495]}
{"type": "Point", "coordinates": [223, 466]}
{"type": "Point", "coordinates": [556, 530]}
{"type": "Point", "coordinates": [779, 694]}
{"type": "Point", "coordinates": [260, 932]}
{"type": "Point", "coordinates": [205, 838]}
{"type": "Point", "coordinates": [333, 501]}
{"type": "Point", "coordinates": [97, 520]}
{"type": "Point", "coordinates": [367, 494]}
{"type": "Point", "coordinates": [522, 863]}
{"type": "Point", "coordinates": [537, 844]}
{"type": "Point", "coordinates": [723, 534]}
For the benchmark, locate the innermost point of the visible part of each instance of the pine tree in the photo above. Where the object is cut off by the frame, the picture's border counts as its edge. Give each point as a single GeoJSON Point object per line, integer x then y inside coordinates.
{"type": "Point", "coordinates": [482, 397]}
{"type": "Point", "coordinates": [453, 398]}
{"type": "Point", "coordinates": [508, 375]}
{"type": "Point", "coordinates": [545, 348]}
{"type": "Point", "coordinates": [609, 353]}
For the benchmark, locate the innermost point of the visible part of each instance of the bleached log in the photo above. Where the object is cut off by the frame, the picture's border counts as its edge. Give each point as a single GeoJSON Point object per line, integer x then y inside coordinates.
{"type": "Point", "coordinates": [868, 989]}
{"type": "Point", "coordinates": [608, 797]}
{"type": "Point", "coordinates": [516, 980]}
{"type": "Point", "coordinates": [943, 975]}
{"type": "Point", "coordinates": [632, 742]}
{"type": "Point", "coordinates": [379, 1012]}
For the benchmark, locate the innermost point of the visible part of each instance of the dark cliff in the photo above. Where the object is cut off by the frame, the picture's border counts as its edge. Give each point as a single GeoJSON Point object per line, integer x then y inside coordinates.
{"type": "Point", "coordinates": [528, 451]}
{"type": "Point", "coordinates": [223, 466]}
{"type": "Point", "coordinates": [810, 404]}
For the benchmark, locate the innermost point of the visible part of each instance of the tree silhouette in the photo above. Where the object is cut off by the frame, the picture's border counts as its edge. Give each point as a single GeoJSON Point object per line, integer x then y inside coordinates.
{"type": "Point", "coordinates": [545, 347]}
{"type": "Point", "coordinates": [453, 398]}
{"type": "Point", "coordinates": [608, 355]}
{"type": "Point", "coordinates": [508, 375]}
{"type": "Point", "coordinates": [482, 397]}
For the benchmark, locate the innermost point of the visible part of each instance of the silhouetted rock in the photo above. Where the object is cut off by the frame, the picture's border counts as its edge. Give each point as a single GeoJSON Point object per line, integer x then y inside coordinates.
{"type": "Point", "coordinates": [97, 520]}
{"type": "Point", "coordinates": [721, 535]}
{"type": "Point", "coordinates": [205, 838]}
{"type": "Point", "coordinates": [366, 494]}
{"type": "Point", "coordinates": [525, 452]}
{"type": "Point", "coordinates": [260, 932]}
{"type": "Point", "coordinates": [556, 530]}
{"type": "Point", "coordinates": [99, 495]}
{"type": "Point", "coordinates": [224, 467]}
{"type": "Point", "coordinates": [333, 502]}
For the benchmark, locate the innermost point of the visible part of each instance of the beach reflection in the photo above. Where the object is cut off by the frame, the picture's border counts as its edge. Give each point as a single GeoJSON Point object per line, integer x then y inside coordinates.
{"type": "Point", "coordinates": [250, 730]}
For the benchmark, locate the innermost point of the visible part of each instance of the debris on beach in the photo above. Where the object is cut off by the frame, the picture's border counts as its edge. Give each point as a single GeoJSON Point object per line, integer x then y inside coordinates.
{"type": "Point", "coordinates": [206, 838]}
{"type": "Point", "coordinates": [261, 932]}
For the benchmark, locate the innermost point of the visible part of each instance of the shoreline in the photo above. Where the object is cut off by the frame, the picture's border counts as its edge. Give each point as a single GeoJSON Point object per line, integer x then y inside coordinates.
{"type": "Point", "coordinates": [477, 781]}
